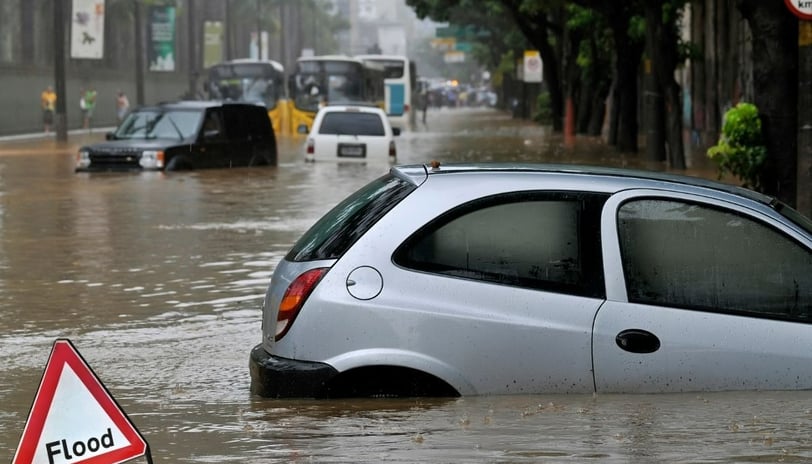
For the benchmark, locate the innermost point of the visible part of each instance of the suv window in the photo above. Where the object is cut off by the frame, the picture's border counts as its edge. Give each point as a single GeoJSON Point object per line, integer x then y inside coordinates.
{"type": "Point", "coordinates": [337, 123]}
{"type": "Point", "coordinates": [213, 126]}
{"type": "Point", "coordinates": [540, 240]}
{"type": "Point", "coordinates": [688, 255]}
{"type": "Point", "coordinates": [337, 230]}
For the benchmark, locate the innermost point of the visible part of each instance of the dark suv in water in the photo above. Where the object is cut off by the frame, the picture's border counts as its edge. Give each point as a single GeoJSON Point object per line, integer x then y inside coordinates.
{"type": "Point", "coordinates": [185, 135]}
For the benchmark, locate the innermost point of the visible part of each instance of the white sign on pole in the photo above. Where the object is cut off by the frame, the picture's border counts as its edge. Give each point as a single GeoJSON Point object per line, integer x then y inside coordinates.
{"type": "Point", "coordinates": [532, 70]}
{"type": "Point", "coordinates": [87, 29]}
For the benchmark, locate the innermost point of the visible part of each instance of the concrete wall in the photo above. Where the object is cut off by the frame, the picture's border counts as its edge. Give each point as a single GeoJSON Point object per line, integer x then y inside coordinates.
{"type": "Point", "coordinates": [20, 96]}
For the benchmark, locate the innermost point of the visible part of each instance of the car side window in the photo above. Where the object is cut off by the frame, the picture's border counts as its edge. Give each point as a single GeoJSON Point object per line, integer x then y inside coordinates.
{"type": "Point", "coordinates": [689, 255]}
{"type": "Point", "coordinates": [548, 241]}
{"type": "Point", "coordinates": [213, 126]}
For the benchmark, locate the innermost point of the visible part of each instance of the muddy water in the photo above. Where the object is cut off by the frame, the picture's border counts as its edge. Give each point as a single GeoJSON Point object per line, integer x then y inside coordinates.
{"type": "Point", "coordinates": [157, 280]}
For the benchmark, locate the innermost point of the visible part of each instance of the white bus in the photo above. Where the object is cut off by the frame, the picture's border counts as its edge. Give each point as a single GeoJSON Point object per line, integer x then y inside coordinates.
{"type": "Point", "coordinates": [400, 78]}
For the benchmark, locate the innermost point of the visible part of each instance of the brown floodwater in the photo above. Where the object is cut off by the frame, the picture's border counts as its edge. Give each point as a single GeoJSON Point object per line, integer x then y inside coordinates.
{"type": "Point", "coordinates": [157, 280]}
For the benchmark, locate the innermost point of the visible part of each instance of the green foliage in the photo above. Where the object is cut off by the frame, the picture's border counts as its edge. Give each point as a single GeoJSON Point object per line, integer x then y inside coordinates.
{"type": "Point", "coordinates": [544, 111]}
{"type": "Point", "coordinates": [740, 150]}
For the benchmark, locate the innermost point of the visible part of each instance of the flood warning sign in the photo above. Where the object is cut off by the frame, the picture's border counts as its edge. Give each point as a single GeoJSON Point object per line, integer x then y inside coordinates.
{"type": "Point", "coordinates": [74, 419]}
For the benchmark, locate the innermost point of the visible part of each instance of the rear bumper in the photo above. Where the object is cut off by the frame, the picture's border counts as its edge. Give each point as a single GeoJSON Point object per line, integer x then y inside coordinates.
{"type": "Point", "coordinates": [275, 377]}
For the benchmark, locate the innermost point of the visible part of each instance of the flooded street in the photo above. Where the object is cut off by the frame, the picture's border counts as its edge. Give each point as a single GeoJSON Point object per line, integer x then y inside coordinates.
{"type": "Point", "coordinates": [157, 279]}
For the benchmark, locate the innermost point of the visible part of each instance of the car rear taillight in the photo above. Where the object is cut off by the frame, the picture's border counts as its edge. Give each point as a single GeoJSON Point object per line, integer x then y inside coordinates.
{"type": "Point", "coordinates": [311, 146]}
{"type": "Point", "coordinates": [393, 151]}
{"type": "Point", "coordinates": [294, 298]}
{"type": "Point", "coordinates": [406, 108]}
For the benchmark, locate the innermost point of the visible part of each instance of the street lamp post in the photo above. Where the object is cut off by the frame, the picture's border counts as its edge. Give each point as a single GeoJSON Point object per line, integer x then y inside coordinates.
{"type": "Point", "coordinates": [192, 51]}
{"type": "Point", "coordinates": [139, 54]}
{"type": "Point", "coordinates": [259, 29]}
{"type": "Point", "coordinates": [59, 71]}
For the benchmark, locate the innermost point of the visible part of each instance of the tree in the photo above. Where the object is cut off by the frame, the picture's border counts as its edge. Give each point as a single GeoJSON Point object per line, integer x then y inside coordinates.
{"type": "Point", "coordinates": [529, 16]}
{"type": "Point", "coordinates": [775, 81]}
{"type": "Point", "coordinates": [664, 92]}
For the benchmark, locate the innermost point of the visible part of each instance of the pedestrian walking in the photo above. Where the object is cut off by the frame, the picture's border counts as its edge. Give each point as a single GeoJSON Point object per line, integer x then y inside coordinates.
{"type": "Point", "coordinates": [423, 103]}
{"type": "Point", "coordinates": [87, 103]}
{"type": "Point", "coordinates": [122, 106]}
{"type": "Point", "coordinates": [48, 103]}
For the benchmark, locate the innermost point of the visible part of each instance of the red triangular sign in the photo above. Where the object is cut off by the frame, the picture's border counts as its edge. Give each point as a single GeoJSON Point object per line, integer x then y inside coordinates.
{"type": "Point", "coordinates": [74, 419]}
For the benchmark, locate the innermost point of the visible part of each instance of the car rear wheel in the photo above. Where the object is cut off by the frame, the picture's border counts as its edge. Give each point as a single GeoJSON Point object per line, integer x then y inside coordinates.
{"type": "Point", "coordinates": [388, 382]}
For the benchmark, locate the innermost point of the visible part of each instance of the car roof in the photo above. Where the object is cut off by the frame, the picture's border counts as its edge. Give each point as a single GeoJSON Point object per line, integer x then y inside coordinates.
{"type": "Point", "coordinates": [276, 65]}
{"type": "Point", "coordinates": [193, 105]}
{"type": "Point", "coordinates": [352, 108]}
{"type": "Point", "coordinates": [640, 178]}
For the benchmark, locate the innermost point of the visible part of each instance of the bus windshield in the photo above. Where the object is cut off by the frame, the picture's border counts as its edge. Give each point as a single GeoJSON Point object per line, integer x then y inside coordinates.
{"type": "Point", "coordinates": [393, 69]}
{"type": "Point", "coordinates": [248, 82]}
{"type": "Point", "coordinates": [320, 82]}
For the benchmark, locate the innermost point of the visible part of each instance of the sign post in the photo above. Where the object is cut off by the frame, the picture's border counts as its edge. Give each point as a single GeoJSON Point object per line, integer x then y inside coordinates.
{"type": "Point", "coordinates": [532, 66]}
{"type": "Point", "coordinates": [803, 10]}
{"type": "Point", "coordinates": [74, 419]}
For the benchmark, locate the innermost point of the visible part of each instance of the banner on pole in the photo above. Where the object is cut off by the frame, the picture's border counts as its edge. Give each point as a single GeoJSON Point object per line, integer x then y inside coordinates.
{"type": "Point", "coordinates": [212, 43]}
{"type": "Point", "coordinates": [87, 29]}
{"type": "Point", "coordinates": [161, 51]}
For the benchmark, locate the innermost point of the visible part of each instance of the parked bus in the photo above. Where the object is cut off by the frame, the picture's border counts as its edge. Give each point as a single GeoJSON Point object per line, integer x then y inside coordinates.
{"type": "Point", "coordinates": [400, 79]}
{"type": "Point", "coordinates": [331, 79]}
{"type": "Point", "coordinates": [250, 80]}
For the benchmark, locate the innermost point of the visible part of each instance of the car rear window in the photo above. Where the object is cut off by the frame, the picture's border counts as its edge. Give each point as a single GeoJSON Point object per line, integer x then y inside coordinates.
{"type": "Point", "coordinates": [354, 123]}
{"type": "Point", "coordinates": [337, 230]}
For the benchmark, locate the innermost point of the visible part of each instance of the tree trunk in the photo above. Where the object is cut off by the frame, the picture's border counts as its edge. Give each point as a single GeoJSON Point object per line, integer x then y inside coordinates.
{"type": "Point", "coordinates": [627, 61]}
{"type": "Point", "coordinates": [775, 82]}
{"type": "Point", "coordinates": [664, 106]}
{"type": "Point", "coordinates": [653, 102]}
{"type": "Point", "coordinates": [698, 99]}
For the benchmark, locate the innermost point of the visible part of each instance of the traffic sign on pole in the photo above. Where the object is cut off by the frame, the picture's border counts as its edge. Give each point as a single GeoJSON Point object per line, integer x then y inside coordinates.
{"type": "Point", "coordinates": [800, 8]}
{"type": "Point", "coordinates": [74, 419]}
{"type": "Point", "coordinates": [532, 66]}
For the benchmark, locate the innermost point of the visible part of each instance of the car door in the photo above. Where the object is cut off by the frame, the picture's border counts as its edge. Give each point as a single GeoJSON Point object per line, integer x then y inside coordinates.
{"type": "Point", "coordinates": [502, 289]}
{"type": "Point", "coordinates": [701, 295]}
{"type": "Point", "coordinates": [212, 141]}
{"type": "Point", "coordinates": [241, 124]}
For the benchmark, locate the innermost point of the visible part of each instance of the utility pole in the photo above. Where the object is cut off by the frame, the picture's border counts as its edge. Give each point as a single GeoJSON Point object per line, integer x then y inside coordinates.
{"type": "Point", "coordinates": [259, 29]}
{"type": "Point", "coordinates": [59, 71]}
{"type": "Point", "coordinates": [229, 38]}
{"type": "Point", "coordinates": [139, 54]}
{"type": "Point", "coordinates": [192, 51]}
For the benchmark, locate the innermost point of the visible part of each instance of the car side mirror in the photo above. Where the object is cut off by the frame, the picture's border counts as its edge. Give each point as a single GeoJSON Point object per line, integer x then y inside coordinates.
{"type": "Point", "coordinates": [211, 134]}
{"type": "Point", "coordinates": [110, 136]}
{"type": "Point", "coordinates": [302, 129]}
{"type": "Point", "coordinates": [396, 131]}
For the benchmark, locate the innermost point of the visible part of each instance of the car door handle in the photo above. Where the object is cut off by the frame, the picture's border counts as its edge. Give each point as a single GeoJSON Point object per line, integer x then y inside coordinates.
{"type": "Point", "coordinates": [637, 341]}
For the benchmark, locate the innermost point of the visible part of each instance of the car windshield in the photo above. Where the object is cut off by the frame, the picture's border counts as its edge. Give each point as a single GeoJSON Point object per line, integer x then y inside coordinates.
{"type": "Point", "coordinates": [337, 230]}
{"type": "Point", "coordinates": [156, 124]}
{"type": "Point", "coordinates": [352, 123]}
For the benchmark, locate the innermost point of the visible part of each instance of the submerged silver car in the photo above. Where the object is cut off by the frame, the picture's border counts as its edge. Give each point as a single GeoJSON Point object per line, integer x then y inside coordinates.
{"type": "Point", "coordinates": [515, 279]}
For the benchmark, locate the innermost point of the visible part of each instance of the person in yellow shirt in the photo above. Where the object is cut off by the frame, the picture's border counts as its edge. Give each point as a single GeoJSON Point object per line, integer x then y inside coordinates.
{"type": "Point", "coordinates": [48, 99]}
